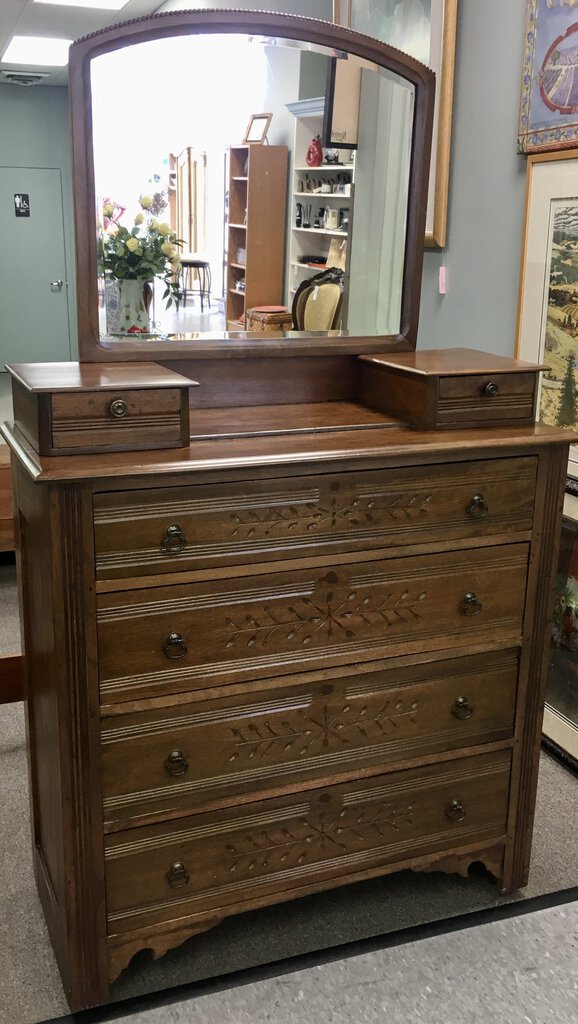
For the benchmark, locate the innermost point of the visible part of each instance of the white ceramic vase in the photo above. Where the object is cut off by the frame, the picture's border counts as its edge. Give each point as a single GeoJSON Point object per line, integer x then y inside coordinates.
{"type": "Point", "coordinates": [133, 314]}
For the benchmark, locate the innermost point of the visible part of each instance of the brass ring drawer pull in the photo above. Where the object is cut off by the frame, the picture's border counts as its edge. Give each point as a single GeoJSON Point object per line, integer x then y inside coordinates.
{"type": "Point", "coordinates": [471, 605]}
{"type": "Point", "coordinates": [176, 763]}
{"type": "Point", "coordinates": [178, 876]}
{"type": "Point", "coordinates": [455, 811]}
{"type": "Point", "coordinates": [478, 507]}
{"type": "Point", "coordinates": [491, 389]}
{"type": "Point", "coordinates": [118, 408]}
{"type": "Point", "coordinates": [174, 539]}
{"type": "Point", "coordinates": [175, 647]}
{"type": "Point", "coordinates": [462, 709]}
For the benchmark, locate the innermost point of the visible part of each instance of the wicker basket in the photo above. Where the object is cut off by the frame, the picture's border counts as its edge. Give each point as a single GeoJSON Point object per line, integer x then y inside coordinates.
{"type": "Point", "coordinates": [269, 318]}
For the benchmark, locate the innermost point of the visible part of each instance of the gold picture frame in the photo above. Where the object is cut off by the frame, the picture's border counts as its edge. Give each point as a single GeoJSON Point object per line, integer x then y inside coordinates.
{"type": "Point", "coordinates": [442, 61]}
{"type": "Point", "coordinates": [257, 128]}
{"type": "Point", "coordinates": [547, 326]}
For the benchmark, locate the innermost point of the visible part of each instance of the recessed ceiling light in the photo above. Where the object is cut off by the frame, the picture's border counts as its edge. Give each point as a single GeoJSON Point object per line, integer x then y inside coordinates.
{"type": "Point", "coordinates": [51, 53]}
{"type": "Point", "coordinates": [102, 5]}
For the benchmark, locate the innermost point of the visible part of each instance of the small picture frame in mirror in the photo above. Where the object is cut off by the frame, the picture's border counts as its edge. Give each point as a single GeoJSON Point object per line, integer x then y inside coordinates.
{"type": "Point", "coordinates": [257, 128]}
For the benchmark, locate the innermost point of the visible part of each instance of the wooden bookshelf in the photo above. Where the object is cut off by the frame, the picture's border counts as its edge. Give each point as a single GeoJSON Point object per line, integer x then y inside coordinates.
{"type": "Point", "coordinates": [257, 183]}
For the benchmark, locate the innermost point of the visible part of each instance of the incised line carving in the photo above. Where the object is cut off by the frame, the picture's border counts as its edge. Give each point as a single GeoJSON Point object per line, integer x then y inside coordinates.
{"type": "Point", "coordinates": [312, 515]}
{"type": "Point", "coordinates": [328, 728]}
{"type": "Point", "coordinates": [272, 849]}
{"type": "Point", "coordinates": [330, 613]}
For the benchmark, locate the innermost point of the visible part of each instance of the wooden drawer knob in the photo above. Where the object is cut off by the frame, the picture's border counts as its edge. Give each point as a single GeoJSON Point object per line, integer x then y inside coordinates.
{"type": "Point", "coordinates": [176, 763]}
{"type": "Point", "coordinates": [118, 408]}
{"type": "Point", "coordinates": [175, 647]}
{"type": "Point", "coordinates": [455, 811]}
{"type": "Point", "coordinates": [478, 507]}
{"type": "Point", "coordinates": [178, 876]}
{"type": "Point", "coordinates": [462, 709]}
{"type": "Point", "coordinates": [471, 605]}
{"type": "Point", "coordinates": [174, 539]}
{"type": "Point", "coordinates": [491, 389]}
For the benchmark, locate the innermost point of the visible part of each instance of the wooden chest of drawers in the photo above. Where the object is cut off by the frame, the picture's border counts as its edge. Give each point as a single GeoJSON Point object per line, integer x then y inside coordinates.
{"type": "Point", "coordinates": [69, 408]}
{"type": "Point", "coordinates": [253, 680]}
{"type": "Point", "coordinates": [441, 388]}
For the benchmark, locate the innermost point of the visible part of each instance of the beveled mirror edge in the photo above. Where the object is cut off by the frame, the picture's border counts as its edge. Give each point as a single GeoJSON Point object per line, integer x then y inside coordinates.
{"type": "Point", "coordinates": [91, 348]}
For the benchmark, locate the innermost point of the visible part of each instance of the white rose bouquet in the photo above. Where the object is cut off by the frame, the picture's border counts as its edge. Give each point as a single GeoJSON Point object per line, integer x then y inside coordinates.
{"type": "Point", "coordinates": [148, 250]}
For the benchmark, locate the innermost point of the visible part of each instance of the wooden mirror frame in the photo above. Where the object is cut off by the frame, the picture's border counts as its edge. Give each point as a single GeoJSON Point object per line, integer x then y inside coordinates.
{"type": "Point", "coordinates": [91, 347]}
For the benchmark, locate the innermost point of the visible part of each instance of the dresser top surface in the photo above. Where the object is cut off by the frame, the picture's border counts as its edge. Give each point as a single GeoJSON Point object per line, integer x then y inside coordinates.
{"type": "Point", "coordinates": [342, 449]}
{"type": "Point", "coordinates": [50, 377]}
{"type": "Point", "coordinates": [452, 361]}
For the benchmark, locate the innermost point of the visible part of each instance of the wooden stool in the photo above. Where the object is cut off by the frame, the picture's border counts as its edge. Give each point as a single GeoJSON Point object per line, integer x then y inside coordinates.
{"type": "Point", "coordinates": [199, 267]}
{"type": "Point", "coordinates": [269, 318]}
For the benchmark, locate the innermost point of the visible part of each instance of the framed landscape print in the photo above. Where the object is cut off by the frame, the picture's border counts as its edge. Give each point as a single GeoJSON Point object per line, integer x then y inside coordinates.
{"type": "Point", "coordinates": [548, 302]}
{"type": "Point", "coordinates": [549, 99]}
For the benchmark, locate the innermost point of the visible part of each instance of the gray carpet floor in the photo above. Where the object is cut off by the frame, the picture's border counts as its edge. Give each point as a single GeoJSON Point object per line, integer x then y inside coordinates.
{"type": "Point", "coordinates": [30, 989]}
{"type": "Point", "coordinates": [520, 971]}
{"type": "Point", "coordinates": [9, 621]}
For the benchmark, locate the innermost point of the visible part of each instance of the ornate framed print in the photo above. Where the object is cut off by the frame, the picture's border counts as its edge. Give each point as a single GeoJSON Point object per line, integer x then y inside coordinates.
{"type": "Point", "coordinates": [549, 100]}
{"type": "Point", "coordinates": [547, 330]}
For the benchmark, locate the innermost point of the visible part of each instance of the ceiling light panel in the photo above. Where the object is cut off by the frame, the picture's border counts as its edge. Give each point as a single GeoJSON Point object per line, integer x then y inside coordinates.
{"type": "Point", "coordinates": [98, 5]}
{"type": "Point", "coordinates": [37, 51]}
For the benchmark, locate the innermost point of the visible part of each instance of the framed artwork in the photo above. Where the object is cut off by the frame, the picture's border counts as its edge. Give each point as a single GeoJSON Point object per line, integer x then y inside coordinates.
{"type": "Point", "coordinates": [547, 329]}
{"type": "Point", "coordinates": [426, 29]}
{"type": "Point", "coordinates": [341, 111]}
{"type": "Point", "coordinates": [549, 100]}
{"type": "Point", "coordinates": [560, 728]}
{"type": "Point", "coordinates": [257, 128]}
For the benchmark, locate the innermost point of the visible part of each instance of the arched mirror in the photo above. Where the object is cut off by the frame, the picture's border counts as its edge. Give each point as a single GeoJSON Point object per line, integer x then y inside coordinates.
{"type": "Point", "coordinates": [224, 159]}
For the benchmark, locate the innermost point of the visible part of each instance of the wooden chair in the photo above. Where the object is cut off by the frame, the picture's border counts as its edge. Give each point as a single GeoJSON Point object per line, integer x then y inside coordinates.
{"type": "Point", "coordinates": [317, 302]}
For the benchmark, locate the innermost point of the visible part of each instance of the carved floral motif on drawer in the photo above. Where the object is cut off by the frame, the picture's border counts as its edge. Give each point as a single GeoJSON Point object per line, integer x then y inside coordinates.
{"type": "Point", "coordinates": [163, 640]}
{"type": "Point", "coordinates": [194, 527]}
{"type": "Point", "coordinates": [201, 863]}
{"type": "Point", "coordinates": [179, 758]}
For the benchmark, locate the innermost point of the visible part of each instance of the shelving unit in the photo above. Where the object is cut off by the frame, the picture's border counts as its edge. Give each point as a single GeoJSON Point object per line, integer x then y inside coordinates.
{"type": "Point", "coordinates": [255, 232]}
{"type": "Point", "coordinates": [316, 241]}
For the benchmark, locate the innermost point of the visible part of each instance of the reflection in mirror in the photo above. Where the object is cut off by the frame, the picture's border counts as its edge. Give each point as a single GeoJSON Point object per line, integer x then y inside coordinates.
{"type": "Point", "coordinates": [196, 231]}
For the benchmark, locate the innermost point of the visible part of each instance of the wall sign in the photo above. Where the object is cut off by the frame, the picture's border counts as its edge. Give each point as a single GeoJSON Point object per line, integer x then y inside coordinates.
{"type": "Point", "coordinates": [21, 204]}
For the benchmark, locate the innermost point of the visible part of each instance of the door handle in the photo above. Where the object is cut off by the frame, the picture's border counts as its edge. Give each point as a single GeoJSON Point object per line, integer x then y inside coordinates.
{"type": "Point", "coordinates": [57, 285]}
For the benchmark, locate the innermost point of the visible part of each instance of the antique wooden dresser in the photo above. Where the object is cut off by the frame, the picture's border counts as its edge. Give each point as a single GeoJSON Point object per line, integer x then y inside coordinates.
{"type": "Point", "coordinates": [262, 667]}
{"type": "Point", "coordinates": [306, 646]}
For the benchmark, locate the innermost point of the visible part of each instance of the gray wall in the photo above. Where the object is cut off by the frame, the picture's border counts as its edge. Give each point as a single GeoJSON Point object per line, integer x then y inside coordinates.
{"type": "Point", "coordinates": [34, 132]}
{"type": "Point", "coordinates": [487, 177]}
{"type": "Point", "coordinates": [486, 210]}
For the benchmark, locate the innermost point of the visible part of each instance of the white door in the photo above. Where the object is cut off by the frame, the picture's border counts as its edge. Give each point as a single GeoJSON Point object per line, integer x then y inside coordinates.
{"type": "Point", "coordinates": [34, 325]}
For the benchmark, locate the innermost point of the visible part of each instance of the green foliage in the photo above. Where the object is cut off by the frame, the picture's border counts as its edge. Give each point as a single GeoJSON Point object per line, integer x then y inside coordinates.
{"type": "Point", "coordinates": [567, 411]}
{"type": "Point", "coordinates": [146, 251]}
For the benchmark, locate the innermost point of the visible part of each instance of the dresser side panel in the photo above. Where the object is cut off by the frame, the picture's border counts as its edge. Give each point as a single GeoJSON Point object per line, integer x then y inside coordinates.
{"type": "Point", "coordinates": [533, 664]}
{"type": "Point", "coordinates": [56, 563]}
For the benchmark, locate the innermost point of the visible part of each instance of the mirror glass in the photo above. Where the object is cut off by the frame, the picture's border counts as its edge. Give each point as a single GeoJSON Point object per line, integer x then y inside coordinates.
{"type": "Point", "coordinates": [197, 227]}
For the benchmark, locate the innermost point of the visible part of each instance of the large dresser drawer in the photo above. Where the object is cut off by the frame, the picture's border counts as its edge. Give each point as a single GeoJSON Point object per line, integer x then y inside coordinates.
{"type": "Point", "coordinates": [169, 639]}
{"type": "Point", "coordinates": [234, 856]}
{"type": "Point", "coordinates": [183, 758]}
{"type": "Point", "coordinates": [167, 530]}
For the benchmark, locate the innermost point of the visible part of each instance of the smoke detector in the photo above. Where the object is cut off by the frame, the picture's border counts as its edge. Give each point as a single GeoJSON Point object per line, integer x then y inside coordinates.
{"type": "Point", "coordinates": [23, 77]}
